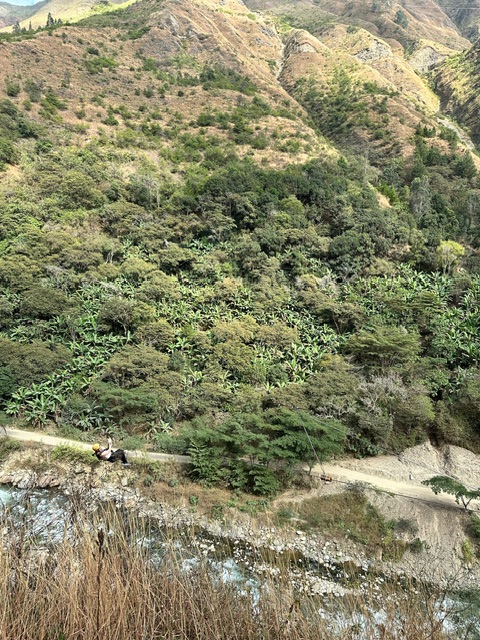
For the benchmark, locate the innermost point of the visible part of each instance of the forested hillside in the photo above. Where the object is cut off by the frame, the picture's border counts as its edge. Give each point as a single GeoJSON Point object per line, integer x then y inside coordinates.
{"type": "Point", "coordinates": [200, 250]}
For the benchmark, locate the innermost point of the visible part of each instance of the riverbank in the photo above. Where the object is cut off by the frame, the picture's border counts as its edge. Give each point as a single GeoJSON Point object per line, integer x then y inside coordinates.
{"type": "Point", "coordinates": [162, 492]}
{"type": "Point", "coordinates": [80, 568]}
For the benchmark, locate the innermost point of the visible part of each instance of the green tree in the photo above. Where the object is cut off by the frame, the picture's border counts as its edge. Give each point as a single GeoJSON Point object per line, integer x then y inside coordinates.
{"type": "Point", "coordinates": [133, 365]}
{"type": "Point", "coordinates": [296, 437]}
{"type": "Point", "coordinates": [333, 391]}
{"type": "Point", "coordinates": [384, 346]}
{"type": "Point", "coordinates": [238, 358]}
{"type": "Point", "coordinates": [420, 198]}
{"type": "Point", "coordinates": [7, 382]}
{"type": "Point", "coordinates": [401, 19]}
{"type": "Point", "coordinates": [44, 302]}
{"type": "Point", "coordinates": [121, 314]}
{"type": "Point", "coordinates": [129, 408]}
{"type": "Point", "coordinates": [8, 153]}
{"type": "Point", "coordinates": [449, 254]}
{"type": "Point", "coordinates": [465, 166]}
{"type": "Point", "coordinates": [444, 484]}
{"type": "Point", "coordinates": [156, 334]}
{"type": "Point", "coordinates": [31, 362]}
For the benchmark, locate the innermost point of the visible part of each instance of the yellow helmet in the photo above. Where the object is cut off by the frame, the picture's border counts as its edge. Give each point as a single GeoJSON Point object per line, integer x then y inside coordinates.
{"type": "Point", "coordinates": [95, 447]}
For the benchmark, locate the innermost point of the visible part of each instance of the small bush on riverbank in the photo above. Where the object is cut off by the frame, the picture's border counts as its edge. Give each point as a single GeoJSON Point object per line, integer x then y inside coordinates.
{"type": "Point", "coordinates": [347, 515]}
{"type": "Point", "coordinates": [8, 446]}
{"type": "Point", "coordinates": [71, 454]}
{"type": "Point", "coordinates": [473, 532]}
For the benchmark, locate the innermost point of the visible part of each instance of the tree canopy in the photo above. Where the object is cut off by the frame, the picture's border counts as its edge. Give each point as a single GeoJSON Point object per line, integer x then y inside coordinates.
{"type": "Point", "coordinates": [445, 484]}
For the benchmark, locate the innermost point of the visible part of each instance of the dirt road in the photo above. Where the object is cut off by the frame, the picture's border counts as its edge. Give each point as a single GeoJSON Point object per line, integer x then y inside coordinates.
{"type": "Point", "coordinates": [410, 489]}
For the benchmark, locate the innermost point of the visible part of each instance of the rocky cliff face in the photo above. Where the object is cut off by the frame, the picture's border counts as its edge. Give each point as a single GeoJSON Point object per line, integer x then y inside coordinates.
{"type": "Point", "coordinates": [426, 58]}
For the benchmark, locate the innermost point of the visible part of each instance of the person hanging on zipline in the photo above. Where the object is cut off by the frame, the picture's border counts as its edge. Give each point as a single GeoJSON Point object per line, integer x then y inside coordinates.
{"type": "Point", "coordinates": [108, 454]}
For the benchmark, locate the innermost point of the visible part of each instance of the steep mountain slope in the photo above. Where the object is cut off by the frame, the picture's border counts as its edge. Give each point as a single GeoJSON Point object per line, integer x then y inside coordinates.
{"type": "Point", "coordinates": [381, 122]}
{"type": "Point", "coordinates": [457, 81]}
{"type": "Point", "coordinates": [68, 10]}
{"type": "Point", "coordinates": [358, 90]}
{"type": "Point", "coordinates": [34, 15]}
{"type": "Point", "coordinates": [380, 48]}
{"type": "Point", "coordinates": [91, 69]}
{"type": "Point", "coordinates": [399, 23]}
{"type": "Point", "coordinates": [174, 38]}
{"type": "Point", "coordinates": [466, 16]}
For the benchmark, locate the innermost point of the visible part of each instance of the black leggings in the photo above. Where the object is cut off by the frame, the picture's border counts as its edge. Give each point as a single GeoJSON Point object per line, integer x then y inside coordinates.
{"type": "Point", "coordinates": [119, 454]}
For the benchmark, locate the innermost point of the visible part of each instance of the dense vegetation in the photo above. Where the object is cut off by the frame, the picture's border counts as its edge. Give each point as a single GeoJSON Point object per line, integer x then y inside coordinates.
{"type": "Point", "coordinates": [214, 305]}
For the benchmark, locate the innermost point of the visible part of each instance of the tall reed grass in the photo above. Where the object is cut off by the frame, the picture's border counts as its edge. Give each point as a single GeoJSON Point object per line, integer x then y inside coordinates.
{"type": "Point", "coordinates": [102, 581]}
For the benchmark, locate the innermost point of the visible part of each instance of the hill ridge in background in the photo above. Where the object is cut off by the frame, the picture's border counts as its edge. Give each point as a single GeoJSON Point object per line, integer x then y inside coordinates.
{"type": "Point", "coordinates": [12, 13]}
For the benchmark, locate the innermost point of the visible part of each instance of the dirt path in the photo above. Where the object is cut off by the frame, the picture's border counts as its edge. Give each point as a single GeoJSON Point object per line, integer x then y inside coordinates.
{"type": "Point", "coordinates": [342, 472]}
{"type": "Point", "coordinates": [53, 441]}
{"type": "Point", "coordinates": [410, 489]}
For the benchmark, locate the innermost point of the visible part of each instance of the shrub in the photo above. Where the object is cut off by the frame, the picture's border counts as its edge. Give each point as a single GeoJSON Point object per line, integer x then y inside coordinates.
{"type": "Point", "coordinates": [12, 88]}
{"type": "Point", "coordinates": [205, 464]}
{"type": "Point", "coordinates": [51, 103]}
{"type": "Point", "coordinates": [68, 453]}
{"type": "Point", "coordinates": [468, 553]}
{"type": "Point", "coordinates": [34, 90]}
{"type": "Point", "coordinates": [8, 446]}
{"type": "Point", "coordinates": [219, 77]}
{"type": "Point", "coordinates": [135, 34]}
{"type": "Point", "coordinates": [98, 64]}
{"type": "Point", "coordinates": [417, 546]}
{"type": "Point", "coordinates": [8, 153]}
{"type": "Point", "coordinates": [264, 480]}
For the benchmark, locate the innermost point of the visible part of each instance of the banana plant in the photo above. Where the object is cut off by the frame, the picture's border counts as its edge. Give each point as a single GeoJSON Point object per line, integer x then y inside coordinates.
{"type": "Point", "coordinates": [21, 333]}
{"type": "Point", "coordinates": [157, 427]}
{"type": "Point", "coordinates": [16, 403]}
{"type": "Point", "coordinates": [193, 378]}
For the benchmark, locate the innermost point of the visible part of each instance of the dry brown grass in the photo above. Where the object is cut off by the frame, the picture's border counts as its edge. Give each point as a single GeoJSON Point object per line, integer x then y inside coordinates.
{"type": "Point", "coordinates": [96, 585]}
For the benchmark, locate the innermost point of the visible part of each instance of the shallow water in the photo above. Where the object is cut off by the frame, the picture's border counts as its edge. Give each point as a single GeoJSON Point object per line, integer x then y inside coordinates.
{"type": "Point", "coordinates": [5, 496]}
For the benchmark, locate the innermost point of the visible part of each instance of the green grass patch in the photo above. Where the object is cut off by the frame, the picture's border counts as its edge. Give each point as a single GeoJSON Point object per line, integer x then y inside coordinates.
{"type": "Point", "coordinates": [349, 515]}
{"type": "Point", "coordinates": [472, 530]}
{"type": "Point", "coordinates": [131, 443]}
{"type": "Point", "coordinates": [151, 469]}
{"type": "Point", "coordinates": [67, 453]}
